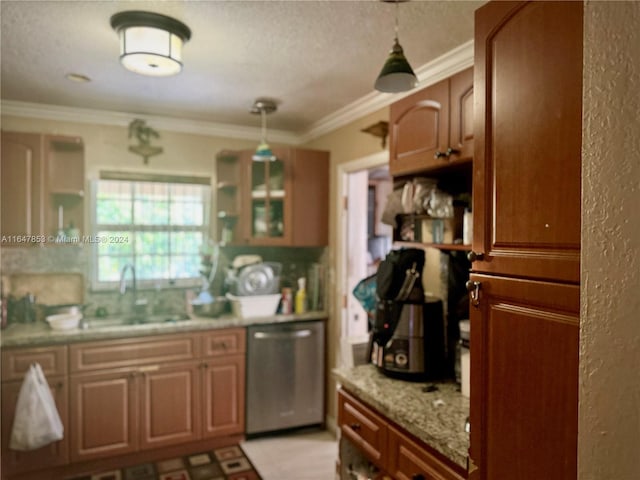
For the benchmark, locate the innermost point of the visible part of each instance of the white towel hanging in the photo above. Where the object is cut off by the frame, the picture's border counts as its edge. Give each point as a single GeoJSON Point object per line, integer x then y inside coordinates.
{"type": "Point", "coordinates": [36, 422]}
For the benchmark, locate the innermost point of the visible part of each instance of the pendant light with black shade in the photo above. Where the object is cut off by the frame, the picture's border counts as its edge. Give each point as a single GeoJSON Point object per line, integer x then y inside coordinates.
{"type": "Point", "coordinates": [263, 106]}
{"type": "Point", "coordinates": [396, 74]}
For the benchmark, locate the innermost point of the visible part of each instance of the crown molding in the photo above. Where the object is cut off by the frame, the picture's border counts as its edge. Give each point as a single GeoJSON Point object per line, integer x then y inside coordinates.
{"type": "Point", "coordinates": [442, 67]}
{"type": "Point", "coordinates": [122, 119]}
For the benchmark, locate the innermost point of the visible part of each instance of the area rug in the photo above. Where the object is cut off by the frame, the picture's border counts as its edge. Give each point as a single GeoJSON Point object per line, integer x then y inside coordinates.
{"type": "Point", "coordinates": [228, 463]}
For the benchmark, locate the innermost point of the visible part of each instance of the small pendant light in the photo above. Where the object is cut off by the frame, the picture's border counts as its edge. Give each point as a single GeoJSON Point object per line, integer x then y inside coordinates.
{"type": "Point", "coordinates": [150, 43]}
{"type": "Point", "coordinates": [263, 106]}
{"type": "Point", "coordinates": [396, 74]}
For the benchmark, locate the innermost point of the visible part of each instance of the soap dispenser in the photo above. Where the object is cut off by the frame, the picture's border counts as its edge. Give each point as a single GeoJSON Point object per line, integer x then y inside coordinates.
{"type": "Point", "coordinates": [301, 296]}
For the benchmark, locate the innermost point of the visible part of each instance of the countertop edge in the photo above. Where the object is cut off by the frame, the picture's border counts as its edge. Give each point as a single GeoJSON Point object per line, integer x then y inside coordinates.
{"type": "Point", "coordinates": [40, 334]}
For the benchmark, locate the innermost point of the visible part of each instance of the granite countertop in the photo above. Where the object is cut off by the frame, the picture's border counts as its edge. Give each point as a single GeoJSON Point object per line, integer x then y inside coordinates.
{"type": "Point", "coordinates": [437, 418]}
{"type": "Point", "coordinates": [40, 333]}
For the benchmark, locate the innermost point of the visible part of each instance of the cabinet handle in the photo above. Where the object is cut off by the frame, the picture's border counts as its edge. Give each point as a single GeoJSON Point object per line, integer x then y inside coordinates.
{"type": "Point", "coordinates": [59, 385]}
{"type": "Point", "coordinates": [355, 426]}
{"type": "Point", "coordinates": [418, 476]}
{"type": "Point", "coordinates": [438, 155]}
{"type": "Point", "coordinates": [473, 256]}
{"type": "Point", "coordinates": [205, 365]}
{"type": "Point", "coordinates": [474, 289]}
{"type": "Point", "coordinates": [452, 151]}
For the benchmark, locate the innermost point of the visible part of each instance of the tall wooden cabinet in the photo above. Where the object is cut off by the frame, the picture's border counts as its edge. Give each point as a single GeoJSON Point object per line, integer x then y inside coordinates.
{"type": "Point", "coordinates": [279, 203]}
{"type": "Point", "coordinates": [524, 286]}
{"type": "Point", "coordinates": [433, 127]}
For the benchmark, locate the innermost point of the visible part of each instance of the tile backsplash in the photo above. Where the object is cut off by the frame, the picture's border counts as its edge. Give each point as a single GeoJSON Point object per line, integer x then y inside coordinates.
{"type": "Point", "coordinates": [47, 271]}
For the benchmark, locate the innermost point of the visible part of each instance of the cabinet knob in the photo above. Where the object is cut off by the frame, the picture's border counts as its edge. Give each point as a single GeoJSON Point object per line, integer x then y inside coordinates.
{"type": "Point", "coordinates": [452, 151]}
{"type": "Point", "coordinates": [438, 155]}
{"type": "Point", "coordinates": [355, 426]}
{"type": "Point", "coordinates": [473, 256]}
{"type": "Point", "coordinates": [418, 476]}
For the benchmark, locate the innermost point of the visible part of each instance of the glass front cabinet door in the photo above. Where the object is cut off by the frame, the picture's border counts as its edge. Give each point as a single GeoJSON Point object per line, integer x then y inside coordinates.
{"type": "Point", "coordinates": [268, 200]}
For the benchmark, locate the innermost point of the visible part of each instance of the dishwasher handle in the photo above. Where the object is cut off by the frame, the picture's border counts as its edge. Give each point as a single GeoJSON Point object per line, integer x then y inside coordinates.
{"type": "Point", "coordinates": [282, 335]}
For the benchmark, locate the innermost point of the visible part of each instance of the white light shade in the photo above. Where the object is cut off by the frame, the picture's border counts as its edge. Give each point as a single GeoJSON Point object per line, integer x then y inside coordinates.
{"type": "Point", "coordinates": [150, 43]}
{"type": "Point", "coordinates": [150, 51]}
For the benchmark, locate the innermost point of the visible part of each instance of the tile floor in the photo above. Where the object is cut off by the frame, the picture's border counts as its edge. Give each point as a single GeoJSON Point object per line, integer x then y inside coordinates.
{"type": "Point", "coordinates": [305, 455]}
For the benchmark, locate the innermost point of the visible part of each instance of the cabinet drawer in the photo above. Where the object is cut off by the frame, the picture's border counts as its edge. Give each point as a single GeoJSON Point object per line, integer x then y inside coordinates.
{"type": "Point", "coordinates": [16, 362]}
{"type": "Point", "coordinates": [363, 427]}
{"type": "Point", "coordinates": [409, 460]}
{"type": "Point", "coordinates": [132, 351]}
{"type": "Point", "coordinates": [223, 342]}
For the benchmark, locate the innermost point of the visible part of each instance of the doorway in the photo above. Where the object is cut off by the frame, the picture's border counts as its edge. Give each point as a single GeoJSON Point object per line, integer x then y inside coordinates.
{"type": "Point", "coordinates": [364, 240]}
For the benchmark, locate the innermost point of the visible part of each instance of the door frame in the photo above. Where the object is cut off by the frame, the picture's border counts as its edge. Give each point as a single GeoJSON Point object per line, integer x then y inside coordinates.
{"type": "Point", "coordinates": [363, 163]}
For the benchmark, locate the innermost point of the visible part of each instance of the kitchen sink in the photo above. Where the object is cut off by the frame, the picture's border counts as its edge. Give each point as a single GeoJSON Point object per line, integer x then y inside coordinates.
{"type": "Point", "coordinates": [138, 319]}
{"type": "Point", "coordinates": [146, 319]}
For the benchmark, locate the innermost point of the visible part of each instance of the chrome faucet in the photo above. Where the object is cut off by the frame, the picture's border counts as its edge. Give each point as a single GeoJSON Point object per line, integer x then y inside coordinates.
{"type": "Point", "coordinates": [123, 283]}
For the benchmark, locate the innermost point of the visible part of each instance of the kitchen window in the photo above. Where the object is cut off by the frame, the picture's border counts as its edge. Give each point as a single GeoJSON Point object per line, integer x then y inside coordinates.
{"type": "Point", "coordinates": [155, 223]}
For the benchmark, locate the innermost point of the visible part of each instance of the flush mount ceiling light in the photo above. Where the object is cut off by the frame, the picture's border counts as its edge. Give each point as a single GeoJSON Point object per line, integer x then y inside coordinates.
{"type": "Point", "coordinates": [150, 43]}
{"type": "Point", "coordinates": [396, 74]}
{"type": "Point", "coordinates": [264, 106]}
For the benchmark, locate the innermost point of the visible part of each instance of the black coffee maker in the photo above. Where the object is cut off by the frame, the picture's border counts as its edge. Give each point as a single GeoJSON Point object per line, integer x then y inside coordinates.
{"type": "Point", "coordinates": [408, 335]}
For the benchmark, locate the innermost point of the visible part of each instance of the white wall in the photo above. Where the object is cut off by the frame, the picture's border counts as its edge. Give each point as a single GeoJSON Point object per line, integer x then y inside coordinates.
{"type": "Point", "coordinates": [609, 423]}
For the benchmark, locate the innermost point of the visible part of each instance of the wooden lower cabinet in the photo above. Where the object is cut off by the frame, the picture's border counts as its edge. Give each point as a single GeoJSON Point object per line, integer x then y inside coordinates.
{"type": "Point", "coordinates": [51, 455]}
{"type": "Point", "coordinates": [223, 396]}
{"type": "Point", "coordinates": [122, 398]}
{"type": "Point", "coordinates": [104, 415]}
{"type": "Point", "coordinates": [390, 448]}
{"type": "Point", "coordinates": [15, 364]}
{"type": "Point", "coordinates": [408, 460]}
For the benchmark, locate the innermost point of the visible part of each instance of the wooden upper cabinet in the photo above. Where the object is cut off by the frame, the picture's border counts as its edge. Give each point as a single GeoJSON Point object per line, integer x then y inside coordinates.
{"type": "Point", "coordinates": [22, 173]}
{"type": "Point", "coordinates": [42, 175]}
{"type": "Point", "coordinates": [528, 121]}
{"type": "Point", "coordinates": [524, 379]}
{"type": "Point", "coordinates": [461, 115]}
{"type": "Point", "coordinates": [279, 203]}
{"type": "Point", "coordinates": [433, 127]}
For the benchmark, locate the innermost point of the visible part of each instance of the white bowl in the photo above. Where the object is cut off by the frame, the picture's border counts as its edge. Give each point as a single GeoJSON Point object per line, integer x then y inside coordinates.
{"type": "Point", "coordinates": [64, 321]}
{"type": "Point", "coordinates": [252, 306]}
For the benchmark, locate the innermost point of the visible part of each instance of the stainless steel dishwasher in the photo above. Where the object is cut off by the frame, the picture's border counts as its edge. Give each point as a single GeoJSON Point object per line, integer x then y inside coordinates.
{"type": "Point", "coordinates": [285, 376]}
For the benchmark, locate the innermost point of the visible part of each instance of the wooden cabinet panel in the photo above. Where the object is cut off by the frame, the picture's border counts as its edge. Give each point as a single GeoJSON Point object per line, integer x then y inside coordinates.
{"type": "Point", "coordinates": [461, 124]}
{"type": "Point", "coordinates": [418, 128]}
{"type": "Point", "coordinates": [16, 362]}
{"type": "Point", "coordinates": [131, 352]}
{"type": "Point", "coordinates": [224, 342]}
{"type": "Point", "coordinates": [54, 454]}
{"type": "Point", "coordinates": [104, 415]}
{"type": "Point", "coordinates": [524, 379]}
{"type": "Point", "coordinates": [309, 185]}
{"type": "Point", "coordinates": [22, 178]}
{"type": "Point", "coordinates": [169, 404]}
{"type": "Point", "coordinates": [223, 393]}
{"type": "Point", "coordinates": [528, 86]}
{"type": "Point", "coordinates": [363, 427]}
{"type": "Point", "coordinates": [409, 460]}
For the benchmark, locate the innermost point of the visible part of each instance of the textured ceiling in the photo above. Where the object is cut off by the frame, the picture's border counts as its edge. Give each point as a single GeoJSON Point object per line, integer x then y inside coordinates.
{"type": "Point", "coordinates": [313, 57]}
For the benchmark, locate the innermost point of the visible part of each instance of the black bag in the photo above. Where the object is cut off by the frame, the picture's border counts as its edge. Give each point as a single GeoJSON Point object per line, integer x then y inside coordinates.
{"type": "Point", "coordinates": [392, 271]}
